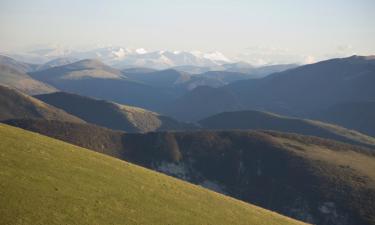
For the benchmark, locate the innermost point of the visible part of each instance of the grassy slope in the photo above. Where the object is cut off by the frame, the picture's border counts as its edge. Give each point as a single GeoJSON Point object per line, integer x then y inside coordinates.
{"type": "Point", "coordinates": [46, 181]}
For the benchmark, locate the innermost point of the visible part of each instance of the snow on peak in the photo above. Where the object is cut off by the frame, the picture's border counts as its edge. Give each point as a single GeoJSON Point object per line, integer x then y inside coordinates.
{"type": "Point", "coordinates": [140, 51]}
{"type": "Point", "coordinates": [120, 56]}
{"type": "Point", "coordinates": [216, 56]}
{"type": "Point", "coordinates": [120, 53]}
{"type": "Point", "coordinates": [196, 53]}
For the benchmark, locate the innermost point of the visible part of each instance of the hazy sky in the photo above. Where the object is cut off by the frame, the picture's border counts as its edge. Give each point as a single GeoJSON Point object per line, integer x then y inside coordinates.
{"type": "Point", "coordinates": [254, 30]}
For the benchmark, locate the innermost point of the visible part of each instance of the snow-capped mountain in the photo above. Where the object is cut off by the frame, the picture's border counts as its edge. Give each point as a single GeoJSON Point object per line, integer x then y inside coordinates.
{"type": "Point", "coordinates": [121, 58]}
{"type": "Point", "coordinates": [167, 59]}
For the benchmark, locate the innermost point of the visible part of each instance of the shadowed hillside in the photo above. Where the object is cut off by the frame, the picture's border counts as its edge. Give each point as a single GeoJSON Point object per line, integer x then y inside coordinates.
{"type": "Point", "coordinates": [46, 181]}
{"type": "Point", "coordinates": [354, 115]}
{"type": "Point", "coordinates": [201, 102]}
{"type": "Point", "coordinates": [86, 135]}
{"type": "Point", "coordinates": [258, 120]}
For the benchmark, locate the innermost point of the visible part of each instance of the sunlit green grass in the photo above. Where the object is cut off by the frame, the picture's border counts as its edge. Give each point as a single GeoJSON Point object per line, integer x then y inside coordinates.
{"type": "Point", "coordinates": [46, 181]}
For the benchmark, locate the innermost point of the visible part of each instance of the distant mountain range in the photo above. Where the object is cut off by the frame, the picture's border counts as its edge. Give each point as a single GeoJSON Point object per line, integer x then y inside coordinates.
{"type": "Point", "coordinates": [307, 91]}
{"type": "Point", "coordinates": [95, 79]}
{"type": "Point", "coordinates": [172, 78]}
{"type": "Point", "coordinates": [142, 87]}
{"type": "Point", "coordinates": [192, 62]}
{"type": "Point", "coordinates": [123, 57]}
{"type": "Point", "coordinates": [294, 92]}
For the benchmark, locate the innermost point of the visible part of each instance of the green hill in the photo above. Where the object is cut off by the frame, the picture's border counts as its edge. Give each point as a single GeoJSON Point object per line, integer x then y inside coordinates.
{"type": "Point", "coordinates": [46, 181]}
{"type": "Point", "coordinates": [258, 120]}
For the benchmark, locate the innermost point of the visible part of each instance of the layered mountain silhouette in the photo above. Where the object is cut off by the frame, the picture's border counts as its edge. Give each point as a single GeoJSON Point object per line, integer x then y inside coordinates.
{"type": "Point", "coordinates": [310, 87]}
{"type": "Point", "coordinates": [95, 79]}
{"type": "Point", "coordinates": [295, 92]}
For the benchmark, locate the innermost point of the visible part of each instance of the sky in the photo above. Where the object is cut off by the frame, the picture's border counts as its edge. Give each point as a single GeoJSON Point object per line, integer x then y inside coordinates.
{"type": "Point", "coordinates": [263, 31]}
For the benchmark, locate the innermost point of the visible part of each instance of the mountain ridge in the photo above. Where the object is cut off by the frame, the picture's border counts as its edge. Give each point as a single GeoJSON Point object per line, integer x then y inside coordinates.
{"type": "Point", "coordinates": [112, 115]}
{"type": "Point", "coordinates": [294, 92]}
{"type": "Point", "coordinates": [10, 76]}
{"type": "Point", "coordinates": [17, 105]}
{"type": "Point", "coordinates": [258, 120]}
